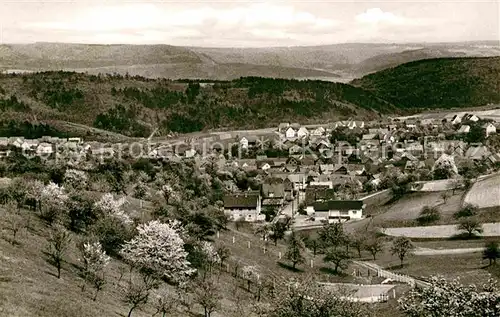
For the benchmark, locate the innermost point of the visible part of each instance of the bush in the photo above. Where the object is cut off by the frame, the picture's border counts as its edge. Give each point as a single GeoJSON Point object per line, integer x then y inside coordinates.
{"type": "Point", "coordinates": [112, 233]}
{"type": "Point", "coordinates": [428, 215]}
{"type": "Point", "coordinates": [469, 210]}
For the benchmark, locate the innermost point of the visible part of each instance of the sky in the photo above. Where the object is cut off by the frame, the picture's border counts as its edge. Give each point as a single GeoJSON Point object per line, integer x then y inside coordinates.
{"type": "Point", "coordinates": [247, 23]}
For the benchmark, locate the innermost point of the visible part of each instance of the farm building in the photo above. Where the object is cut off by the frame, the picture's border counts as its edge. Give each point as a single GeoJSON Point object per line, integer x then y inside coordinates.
{"type": "Point", "coordinates": [337, 209]}
{"type": "Point", "coordinates": [246, 205]}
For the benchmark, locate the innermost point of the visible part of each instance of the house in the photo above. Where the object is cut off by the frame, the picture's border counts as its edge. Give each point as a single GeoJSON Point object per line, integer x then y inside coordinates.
{"type": "Point", "coordinates": [489, 128]}
{"type": "Point", "coordinates": [414, 165]}
{"type": "Point", "coordinates": [470, 117]}
{"type": "Point", "coordinates": [273, 188]}
{"type": "Point", "coordinates": [190, 153]}
{"type": "Point", "coordinates": [339, 210]}
{"type": "Point", "coordinates": [294, 149]}
{"type": "Point", "coordinates": [456, 119]}
{"type": "Point", "coordinates": [75, 140]}
{"type": "Point", "coordinates": [318, 131]}
{"type": "Point", "coordinates": [477, 153]}
{"type": "Point", "coordinates": [326, 169]}
{"type": "Point", "coordinates": [44, 149]}
{"type": "Point", "coordinates": [298, 181]}
{"type": "Point", "coordinates": [243, 143]}
{"type": "Point", "coordinates": [411, 123]}
{"type": "Point", "coordinates": [282, 127]}
{"type": "Point", "coordinates": [464, 129]}
{"type": "Point", "coordinates": [302, 132]}
{"type": "Point", "coordinates": [245, 205]}
{"type": "Point", "coordinates": [495, 158]}
{"type": "Point", "coordinates": [290, 133]}
{"type": "Point", "coordinates": [370, 136]}
{"type": "Point", "coordinates": [4, 142]}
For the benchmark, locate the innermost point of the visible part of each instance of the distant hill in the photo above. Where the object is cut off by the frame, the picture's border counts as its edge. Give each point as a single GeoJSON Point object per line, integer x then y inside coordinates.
{"type": "Point", "coordinates": [383, 61]}
{"type": "Point", "coordinates": [437, 83]}
{"type": "Point", "coordinates": [134, 106]}
{"type": "Point", "coordinates": [338, 62]}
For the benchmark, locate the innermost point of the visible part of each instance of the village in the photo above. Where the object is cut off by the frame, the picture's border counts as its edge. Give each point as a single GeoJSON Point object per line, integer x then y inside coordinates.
{"type": "Point", "coordinates": [316, 173]}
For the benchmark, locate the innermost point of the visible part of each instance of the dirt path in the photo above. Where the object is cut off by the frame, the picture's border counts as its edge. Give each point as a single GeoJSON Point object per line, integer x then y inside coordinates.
{"type": "Point", "coordinates": [426, 251]}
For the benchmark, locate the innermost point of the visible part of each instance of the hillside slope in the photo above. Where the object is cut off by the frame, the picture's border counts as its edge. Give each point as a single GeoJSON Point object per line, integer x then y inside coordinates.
{"type": "Point", "coordinates": [437, 83]}
{"type": "Point", "coordinates": [134, 106]}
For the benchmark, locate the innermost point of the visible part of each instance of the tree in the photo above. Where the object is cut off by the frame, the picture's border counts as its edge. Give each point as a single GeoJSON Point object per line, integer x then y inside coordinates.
{"type": "Point", "coordinates": [444, 167]}
{"type": "Point", "coordinates": [339, 257]}
{"type": "Point", "coordinates": [94, 260]}
{"type": "Point", "coordinates": [59, 241]}
{"type": "Point", "coordinates": [468, 210]}
{"type": "Point", "coordinates": [450, 298]}
{"type": "Point", "coordinates": [15, 221]}
{"type": "Point", "coordinates": [332, 235]}
{"type": "Point", "coordinates": [491, 252]}
{"type": "Point", "coordinates": [53, 199]}
{"type": "Point", "coordinates": [238, 223]}
{"type": "Point", "coordinates": [470, 225]}
{"type": "Point", "coordinates": [262, 230]}
{"type": "Point", "coordinates": [428, 215]}
{"type": "Point", "coordinates": [75, 178]}
{"type": "Point", "coordinates": [137, 293]}
{"type": "Point", "coordinates": [309, 299]}
{"type": "Point", "coordinates": [401, 246]}
{"type": "Point", "coordinates": [224, 253]}
{"type": "Point", "coordinates": [374, 246]}
{"type": "Point", "coordinates": [270, 212]}
{"type": "Point", "coordinates": [278, 230]}
{"type": "Point", "coordinates": [445, 195]}
{"type": "Point", "coordinates": [313, 244]}
{"type": "Point", "coordinates": [107, 205]}
{"type": "Point", "coordinates": [294, 250]}
{"type": "Point", "coordinates": [159, 248]}
{"type": "Point", "coordinates": [358, 241]}
{"type": "Point", "coordinates": [165, 303]}
{"type": "Point", "coordinates": [207, 295]}
{"type": "Point", "coordinates": [250, 273]}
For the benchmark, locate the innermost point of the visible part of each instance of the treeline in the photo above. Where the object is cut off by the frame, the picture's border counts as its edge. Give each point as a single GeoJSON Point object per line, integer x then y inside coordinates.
{"type": "Point", "coordinates": [438, 83]}
{"type": "Point", "coordinates": [121, 120]}
{"type": "Point", "coordinates": [29, 130]}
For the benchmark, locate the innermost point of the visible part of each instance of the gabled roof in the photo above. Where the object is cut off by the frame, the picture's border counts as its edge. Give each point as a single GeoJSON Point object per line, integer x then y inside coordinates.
{"type": "Point", "coordinates": [241, 200]}
{"type": "Point", "coordinates": [338, 205]}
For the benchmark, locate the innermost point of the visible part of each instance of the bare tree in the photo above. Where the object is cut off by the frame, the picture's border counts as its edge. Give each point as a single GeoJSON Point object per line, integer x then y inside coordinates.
{"type": "Point", "coordinates": [138, 292]}
{"type": "Point", "coordinates": [59, 241]}
{"type": "Point", "coordinates": [470, 225]}
{"type": "Point", "coordinates": [165, 303]}
{"type": "Point", "coordinates": [207, 295]}
{"type": "Point", "coordinates": [401, 247]}
{"type": "Point", "coordinates": [15, 222]}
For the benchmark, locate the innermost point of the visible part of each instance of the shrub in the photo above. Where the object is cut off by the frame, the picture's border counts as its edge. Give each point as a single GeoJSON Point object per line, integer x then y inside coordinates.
{"type": "Point", "coordinates": [428, 215]}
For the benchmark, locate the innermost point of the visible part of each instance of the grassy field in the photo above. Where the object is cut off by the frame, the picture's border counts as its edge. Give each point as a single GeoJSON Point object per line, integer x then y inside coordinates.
{"type": "Point", "coordinates": [470, 268]}
{"type": "Point", "coordinates": [485, 193]}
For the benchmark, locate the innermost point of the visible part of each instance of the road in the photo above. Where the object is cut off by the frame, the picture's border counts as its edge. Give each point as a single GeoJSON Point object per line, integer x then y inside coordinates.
{"type": "Point", "coordinates": [444, 231]}
{"type": "Point", "coordinates": [425, 251]}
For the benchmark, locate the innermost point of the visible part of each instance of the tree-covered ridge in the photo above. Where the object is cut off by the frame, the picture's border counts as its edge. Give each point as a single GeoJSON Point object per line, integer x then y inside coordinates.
{"type": "Point", "coordinates": [438, 83]}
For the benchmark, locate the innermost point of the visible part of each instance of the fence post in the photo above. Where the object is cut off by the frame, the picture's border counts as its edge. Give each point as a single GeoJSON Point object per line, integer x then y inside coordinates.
{"type": "Point", "coordinates": [234, 240]}
{"type": "Point", "coordinates": [312, 263]}
{"type": "Point", "coordinates": [249, 244]}
{"type": "Point", "coordinates": [394, 292]}
{"type": "Point", "coordinates": [218, 235]}
{"type": "Point", "coordinates": [279, 255]}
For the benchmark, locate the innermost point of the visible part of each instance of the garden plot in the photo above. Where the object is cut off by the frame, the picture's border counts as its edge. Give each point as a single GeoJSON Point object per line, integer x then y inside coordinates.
{"type": "Point", "coordinates": [445, 231]}
{"type": "Point", "coordinates": [485, 193]}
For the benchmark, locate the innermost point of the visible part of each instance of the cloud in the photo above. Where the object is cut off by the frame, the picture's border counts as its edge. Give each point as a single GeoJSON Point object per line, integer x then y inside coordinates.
{"type": "Point", "coordinates": [377, 16]}
{"type": "Point", "coordinates": [262, 19]}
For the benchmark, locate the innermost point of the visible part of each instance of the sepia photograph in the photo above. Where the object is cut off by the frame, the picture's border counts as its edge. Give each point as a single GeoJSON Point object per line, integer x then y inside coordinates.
{"type": "Point", "coordinates": [247, 158]}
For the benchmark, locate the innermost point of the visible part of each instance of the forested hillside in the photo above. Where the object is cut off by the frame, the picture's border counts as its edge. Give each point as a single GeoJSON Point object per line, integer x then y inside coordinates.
{"type": "Point", "coordinates": [134, 106]}
{"type": "Point", "coordinates": [438, 83]}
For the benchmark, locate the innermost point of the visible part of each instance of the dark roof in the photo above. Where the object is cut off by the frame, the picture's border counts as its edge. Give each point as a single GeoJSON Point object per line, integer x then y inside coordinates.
{"type": "Point", "coordinates": [241, 200]}
{"type": "Point", "coordinates": [338, 205]}
{"type": "Point", "coordinates": [275, 189]}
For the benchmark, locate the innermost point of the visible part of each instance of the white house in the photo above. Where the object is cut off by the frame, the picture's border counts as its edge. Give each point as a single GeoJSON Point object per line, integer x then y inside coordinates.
{"type": "Point", "coordinates": [244, 143]}
{"type": "Point", "coordinates": [302, 132]}
{"type": "Point", "coordinates": [290, 133]}
{"type": "Point", "coordinates": [489, 128]}
{"type": "Point", "coordinates": [318, 131]}
{"type": "Point", "coordinates": [456, 119]}
{"type": "Point", "coordinates": [75, 140]}
{"type": "Point", "coordinates": [464, 129]}
{"type": "Point", "coordinates": [45, 149]}
{"type": "Point", "coordinates": [339, 210]}
{"type": "Point", "coordinates": [245, 205]}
